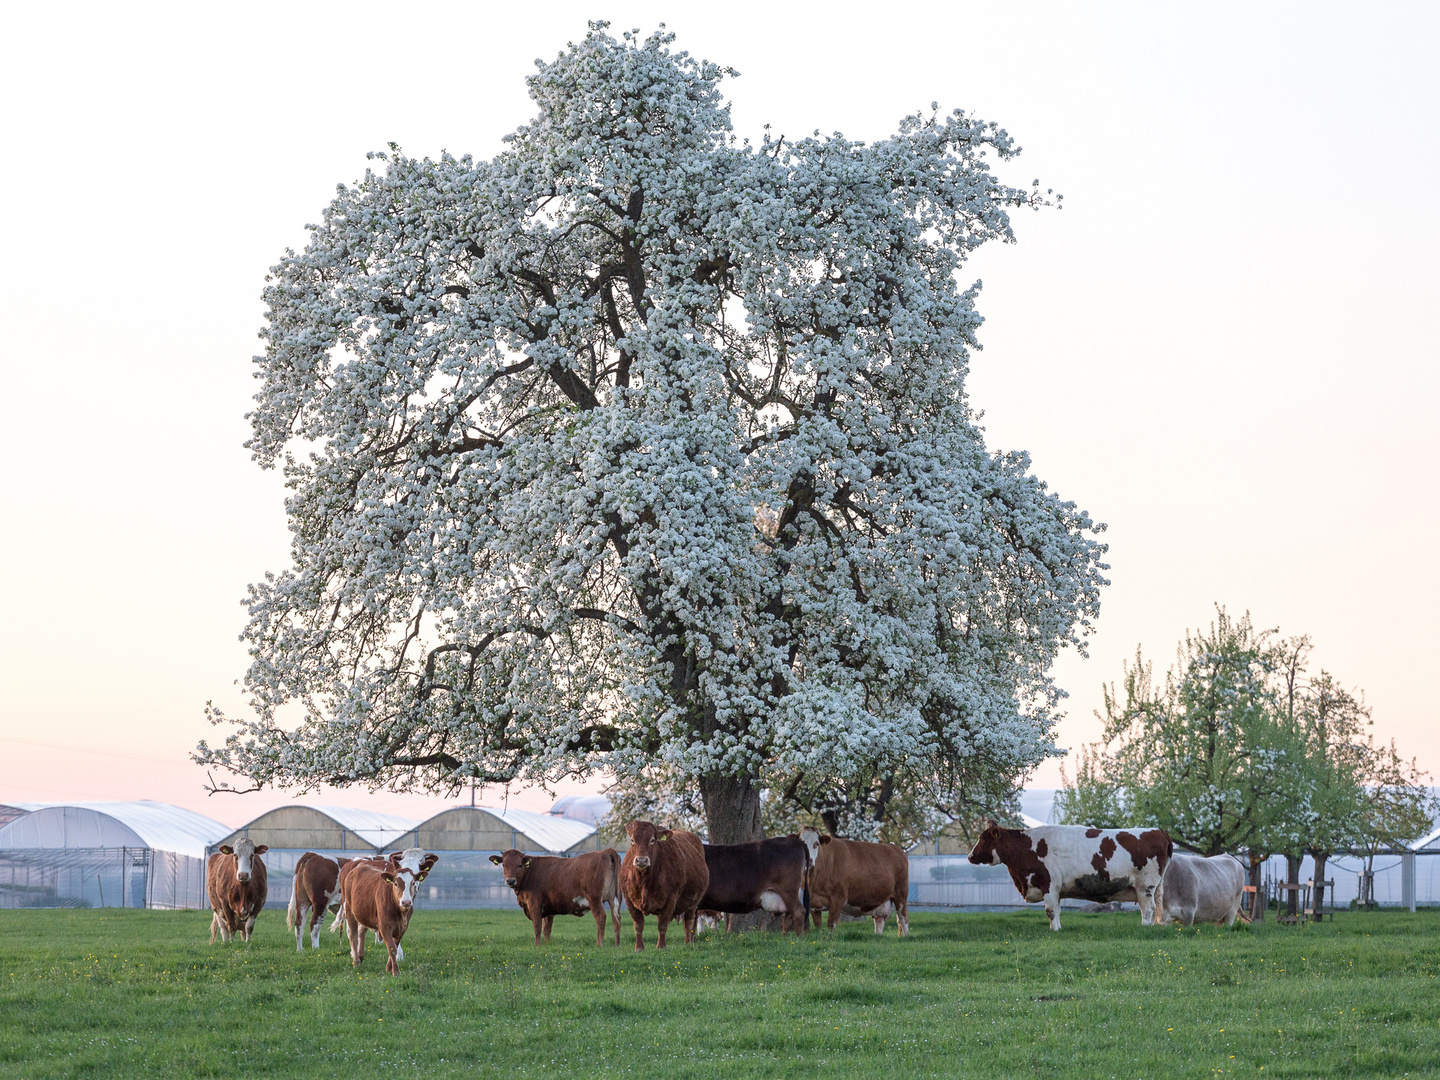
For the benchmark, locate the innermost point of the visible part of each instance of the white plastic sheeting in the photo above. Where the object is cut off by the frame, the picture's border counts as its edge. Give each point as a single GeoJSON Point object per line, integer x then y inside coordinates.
{"type": "Point", "coordinates": [373, 827]}
{"type": "Point", "coordinates": [590, 809]}
{"type": "Point", "coordinates": [555, 833]}
{"type": "Point", "coordinates": [144, 824]}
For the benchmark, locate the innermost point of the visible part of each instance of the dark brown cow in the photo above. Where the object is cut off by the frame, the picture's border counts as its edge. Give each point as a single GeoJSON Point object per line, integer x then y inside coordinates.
{"type": "Point", "coordinates": [856, 877]}
{"type": "Point", "coordinates": [546, 886]}
{"type": "Point", "coordinates": [235, 879]}
{"type": "Point", "coordinates": [316, 888]}
{"type": "Point", "coordinates": [382, 900]}
{"type": "Point", "coordinates": [764, 875]}
{"type": "Point", "coordinates": [663, 874]}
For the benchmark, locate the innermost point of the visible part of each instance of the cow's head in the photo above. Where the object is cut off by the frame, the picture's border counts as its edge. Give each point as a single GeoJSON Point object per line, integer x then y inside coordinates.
{"type": "Point", "coordinates": [987, 848]}
{"type": "Point", "coordinates": [244, 852]}
{"type": "Point", "coordinates": [812, 838]}
{"type": "Point", "coordinates": [513, 864]}
{"type": "Point", "coordinates": [405, 870]}
{"type": "Point", "coordinates": [645, 839]}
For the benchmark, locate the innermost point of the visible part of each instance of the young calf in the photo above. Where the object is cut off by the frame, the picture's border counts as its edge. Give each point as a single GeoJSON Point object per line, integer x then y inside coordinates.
{"type": "Point", "coordinates": [546, 886]}
{"type": "Point", "coordinates": [382, 900]}
{"type": "Point", "coordinates": [317, 886]}
{"type": "Point", "coordinates": [235, 880]}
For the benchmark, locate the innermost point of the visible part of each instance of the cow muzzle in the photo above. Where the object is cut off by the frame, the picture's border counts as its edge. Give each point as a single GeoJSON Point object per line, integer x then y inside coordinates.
{"type": "Point", "coordinates": [511, 881]}
{"type": "Point", "coordinates": [243, 877]}
{"type": "Point", "coordinates": [642, 862]}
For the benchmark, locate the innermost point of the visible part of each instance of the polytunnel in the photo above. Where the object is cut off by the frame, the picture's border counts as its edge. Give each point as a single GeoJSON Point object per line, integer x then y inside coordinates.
{"type": "Point", "coordinates": [464, 837]}
{"type": "Point", "coordinates": [105, 854]}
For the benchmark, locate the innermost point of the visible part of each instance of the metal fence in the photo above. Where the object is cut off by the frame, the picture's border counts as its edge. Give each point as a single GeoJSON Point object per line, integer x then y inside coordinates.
{"type": "Point", "coordinates": [144, 878]}
{"type": "Point", "coordinates": [1402, 880]}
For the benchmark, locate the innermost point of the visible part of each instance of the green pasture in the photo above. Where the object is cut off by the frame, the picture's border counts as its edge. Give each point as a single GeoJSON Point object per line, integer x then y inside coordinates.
{"type": "Point", "coordinates": [143, 993]}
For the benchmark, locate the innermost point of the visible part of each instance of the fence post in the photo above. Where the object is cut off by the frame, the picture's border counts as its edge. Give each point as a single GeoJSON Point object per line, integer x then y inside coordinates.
{"type": "Point", "coordinates": [1407, 881]}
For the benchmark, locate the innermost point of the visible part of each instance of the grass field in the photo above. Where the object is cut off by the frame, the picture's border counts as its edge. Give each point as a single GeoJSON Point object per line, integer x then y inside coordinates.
{"type": "Point", "coordinates": [143, 993]}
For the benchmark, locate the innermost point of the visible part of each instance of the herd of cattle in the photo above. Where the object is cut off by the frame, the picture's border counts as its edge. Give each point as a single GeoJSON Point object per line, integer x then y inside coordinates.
{"type": "Point", "coordinates": [671, 874]}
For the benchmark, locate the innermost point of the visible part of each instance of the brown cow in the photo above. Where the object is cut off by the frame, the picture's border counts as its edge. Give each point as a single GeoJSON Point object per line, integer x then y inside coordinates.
{"type": "Point", "coordinates": [382, 900]}
{"type": "Point", "coordinates": [858, 878]}
{"type": "Point", "coordinates": [235, 880]}
{"type": "Point", "coordinates": [546, 886]}
{"type": "Point", "coordinates": [316, 888]}
{"type": "Point", "coordinates": [664, 873]}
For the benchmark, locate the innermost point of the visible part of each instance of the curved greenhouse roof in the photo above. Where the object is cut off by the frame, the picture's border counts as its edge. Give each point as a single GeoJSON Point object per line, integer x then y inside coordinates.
{"type": "Point", "coordinates": [587, 808]}
{"type": "Point", "coordinates": [326, 828]}
{"type": "Point", "coordinates": [492, 828]}
{"type": "Point", "coordinates": [141, 824]}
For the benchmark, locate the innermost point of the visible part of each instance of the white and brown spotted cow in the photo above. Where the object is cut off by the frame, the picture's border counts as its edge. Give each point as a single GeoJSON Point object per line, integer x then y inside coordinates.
{"type": "Point", "coordinates": [1065, 862]}
{"type": "Point", "coordinates": [317, 887]}
{"type": "Point", "coordinates": [236, 882]}
{"type": "Point", "coordinates": [382, 899]}
{"type": "Point", "coordinates": [1202, 890]}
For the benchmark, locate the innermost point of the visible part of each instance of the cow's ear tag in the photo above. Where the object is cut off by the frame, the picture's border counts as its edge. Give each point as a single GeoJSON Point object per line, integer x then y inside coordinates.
{"type": "Point", "coordinates": [226, 849]}
{"type": "Point", "coordinates": [389, 877]}
{"type": "Point", "coordinates": [525, 863]}
{"type": "Point", "coordinates": [496, 859]}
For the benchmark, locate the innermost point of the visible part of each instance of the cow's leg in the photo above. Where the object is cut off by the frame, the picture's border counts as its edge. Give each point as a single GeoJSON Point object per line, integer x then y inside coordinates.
{"type": "Point", "coordinates": [638, 918]}
{"type": "Point", "coordinates": [663, 917]}
{"type": "Point", "coordinates": [692, 922]}
{"type": "Point", "coordinates": [249, 926]}
{"type": "Point", "coordinates": [597, 908]}
{"type": "Point", "coordinates": [537, 920]}
{"type": "Point", "coordinates": [549, 922]}
{"type": "Point", "coordinates": [834, 903]}
{"type": "Point", "coordinates": [615, 917]}
{"type": "Point", "coordinates": [1145, 896]}
{"type": "Point", "coordinates": [1052, 906]}
{"type": "Point", "coordinates": [317, 916]}
{"type": "Point", "coordinates": [879, 917]}
{"type": "Point", "coordinates": [902, 916]}
{"type": "Point", "coordinates": [356, 933]}
{"type": "Point", "coordinates": [392, 962]}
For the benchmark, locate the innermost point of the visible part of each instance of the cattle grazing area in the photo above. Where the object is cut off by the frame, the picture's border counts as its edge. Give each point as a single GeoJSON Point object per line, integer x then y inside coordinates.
{"type": "Point", "coordinates": [142, 993]}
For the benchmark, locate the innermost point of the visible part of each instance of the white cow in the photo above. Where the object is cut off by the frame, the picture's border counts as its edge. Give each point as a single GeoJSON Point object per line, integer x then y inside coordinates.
{"type": "Point", "coordinates": [1202, 890]}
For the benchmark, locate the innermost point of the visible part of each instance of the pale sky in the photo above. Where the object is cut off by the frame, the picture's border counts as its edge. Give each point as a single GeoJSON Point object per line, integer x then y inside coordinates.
{"type": "Point", "coordinates": [1224, 346]}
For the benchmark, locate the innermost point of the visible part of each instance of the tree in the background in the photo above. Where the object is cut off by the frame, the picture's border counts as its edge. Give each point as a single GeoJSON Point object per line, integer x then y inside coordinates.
{"type": "Point", "coordinates": [1329, 723]}
{"type": "Point", "coordinates": [639, 446]}
{"type": "Point", "coordinates": [1397, 807]}
{"type": "Point", "coordinates": [1200, 756]}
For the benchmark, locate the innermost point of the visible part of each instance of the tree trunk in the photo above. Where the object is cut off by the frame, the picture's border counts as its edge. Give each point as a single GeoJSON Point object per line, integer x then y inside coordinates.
{"type": "Point", "coordinates": [732, 808]}
{"type": "Point", "coordinates": [1318, 900]}
{"type": "Point", "coordinates": [1257, 902]}
{"type": "Point", "coordinates": [732, 814]}
{"type": "Point", "coordinates": [1292, 875]}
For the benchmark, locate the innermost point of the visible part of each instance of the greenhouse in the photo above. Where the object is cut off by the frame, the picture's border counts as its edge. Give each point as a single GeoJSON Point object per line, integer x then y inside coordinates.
{"type": "Point", "coordinates": [464, 837]}
{"type": "Point", "coordinates": [105, 854]}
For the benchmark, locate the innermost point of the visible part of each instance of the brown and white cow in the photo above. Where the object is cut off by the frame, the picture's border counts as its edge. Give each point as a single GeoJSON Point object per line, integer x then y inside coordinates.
{"type": "Point", "coordinates": [236, 882]}
{"type": "Point", "coordinates": [382, 900]}
{"type": "Point", "coordinates": [768, 875]}
{"type": "Point", "coordinates": [316, 888]}
{"type": "Point", "coordinates": [856, 877]}
{"type": "Point", "coordinates": [546, 886]}
{"type": "Point", "coordinates": [1063, 862]}
{"type": "Point", "coordinates": [1202, 890]}
{"type": "Point", "coordinates": [664, 874]}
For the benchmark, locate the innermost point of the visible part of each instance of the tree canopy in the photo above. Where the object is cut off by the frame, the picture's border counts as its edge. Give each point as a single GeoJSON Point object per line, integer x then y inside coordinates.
{"type": "Point", "coordinates": [643, 444]}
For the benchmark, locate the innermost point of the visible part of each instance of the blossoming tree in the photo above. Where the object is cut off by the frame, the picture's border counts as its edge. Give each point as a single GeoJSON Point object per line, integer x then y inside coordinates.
{"type": "Point", "coordinates": [642, 444]}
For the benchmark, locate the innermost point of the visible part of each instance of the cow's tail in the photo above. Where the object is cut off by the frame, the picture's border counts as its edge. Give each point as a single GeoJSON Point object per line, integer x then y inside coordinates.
{"type": "Point", "coordinates": [292, 913]}
{"type": "Point", "coordinates": [805, 891]}
{"type": "Point", "coordinates": [339, 917]}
